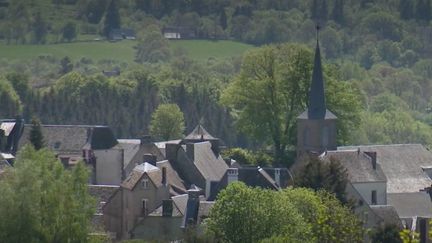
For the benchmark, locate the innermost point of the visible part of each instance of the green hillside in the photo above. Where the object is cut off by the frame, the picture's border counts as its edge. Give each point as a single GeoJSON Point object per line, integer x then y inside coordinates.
{"type": "Point", "coordinates": [121, 51]}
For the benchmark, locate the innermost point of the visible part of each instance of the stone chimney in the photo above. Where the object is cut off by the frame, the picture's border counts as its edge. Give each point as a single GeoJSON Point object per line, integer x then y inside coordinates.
{"type": "Point", "coordinates": [167, 208]}
{"type": "Point", "coordinates": [171, 151]}
{"type": "Point", "coordinates": [373, 156]}
{"type": "Point", "coordinates": [277, 172]}
{"type": "Point", "coordinates": [150, 158]}
{"type": "Point", "coordinates": [146, 139]}
{"type": "Point", "coordinates": [232, 175]}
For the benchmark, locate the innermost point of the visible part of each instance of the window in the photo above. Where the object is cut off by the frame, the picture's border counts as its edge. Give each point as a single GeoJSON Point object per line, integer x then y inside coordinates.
{"type": "Point", "coordinates": [144, 207]}
{"type": "Point", "coordinates": [374, 197]}
{"type": "Point", "coordinates": [145, 183]}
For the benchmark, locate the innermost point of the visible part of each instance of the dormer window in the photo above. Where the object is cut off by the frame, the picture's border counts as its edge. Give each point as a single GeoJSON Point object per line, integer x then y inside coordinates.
{"type": "Point", "coordinates": [145, 183]}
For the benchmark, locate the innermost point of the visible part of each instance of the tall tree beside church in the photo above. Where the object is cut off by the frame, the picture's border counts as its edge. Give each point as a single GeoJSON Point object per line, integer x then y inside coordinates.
{"type": "Point", "coordinates": [36, 136]}
{"type": "Point", "coordinates": [112, 18]}
{"type": "Point", "coordinates": [271, 91]}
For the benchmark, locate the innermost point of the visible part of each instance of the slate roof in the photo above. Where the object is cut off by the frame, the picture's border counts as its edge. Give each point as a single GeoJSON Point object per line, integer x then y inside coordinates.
{"type": "Point", "coordinates": [199, 133]}
{"type": "Point", "coordinates": [137, 173]}
{"type": "Point", "coordinates": [411, 204]}
{"type": "Point", "coordinates": [212, 167]}
{"type": "Point", "coordinates": [327, 116]}
{"type": "Point", "coordinates": [358, 165]}
{"type": "Point", "coordinates": [387, 213]}
{"type": "Point", "coordinates": [72, 138]}
{"type": "Point", "coordinates": [101, 193]}
{"type": "Point", "coordinates": [401, 164]}
{"type": "Point", "coordinates": [173, 179]}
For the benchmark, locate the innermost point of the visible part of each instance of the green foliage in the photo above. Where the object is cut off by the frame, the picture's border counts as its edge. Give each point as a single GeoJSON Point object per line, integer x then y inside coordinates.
{"type": "Point", "coordinates": [152, 48]}
{"type": "Point", "coordinates": [387, 233]}
{"type": "Point", "coordinates": [323, 175]}
{"type": "Point", "coordinates": [112, 18]}
{"type": "Point", "coordinates": [243, 214]}
{"type": "Point", "coordinates": [408, 236]}
{"type": "Point", "coordinates": [247, 157]}
{"type": "Point", "coordinates": [69, 31]}
{"type": "Point", "coordinates": [271, 91]}
{"type": "Point", "coordinates": [36, 137]}
{"type": "Point", "coordinates": [167, 122]}
{"type": "Point", "coordinates": [42, 202]}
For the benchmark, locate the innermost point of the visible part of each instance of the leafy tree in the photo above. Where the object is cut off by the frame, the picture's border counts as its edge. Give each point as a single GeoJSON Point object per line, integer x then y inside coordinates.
{"type": "Point", "coordinates": [167, 122]}
{"type": "Point", "coordinates": [271, 90]}
{"type": "Point", "coordinates": [152, 48]}
{"type": "Point", "coordinates": [243, 214]}
{"type": "Point", "coordinates": [69, 31]}
{"type": "Point", "coordinates": [112, 18]}
{"type": "Point", "coordinates": [323, 175]}
{"type": "Point", "coordinates": [388, 233]}
{"type": "Point", "coordinates": [36, 136]}
{"type": "Point", "coordinates": [247, 157]}
{"type": "Point", "coordinates": [43, 202]}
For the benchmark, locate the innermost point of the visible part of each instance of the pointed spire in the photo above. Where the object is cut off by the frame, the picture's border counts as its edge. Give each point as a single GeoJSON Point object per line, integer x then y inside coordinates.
{"type": "Point", "coordinates": [317, 105]}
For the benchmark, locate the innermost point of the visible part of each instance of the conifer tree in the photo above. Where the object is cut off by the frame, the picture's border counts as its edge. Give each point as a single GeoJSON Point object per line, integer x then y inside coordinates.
{"type": "Point", "coordinates": [314, 10]}
{"type": "Point", "coordinates": [112, 18]}
{"type": "Point", "coordinates": [406, 9]}
{"type": "Point", "coordinates": [223, 19]}
{"type": "Point", "coordinates": [36, 136]}
{"type": "Point", "coordinates": [337, 13]}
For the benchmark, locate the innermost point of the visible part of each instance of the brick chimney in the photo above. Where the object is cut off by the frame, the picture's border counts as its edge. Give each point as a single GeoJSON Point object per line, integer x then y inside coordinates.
{"type": "Point", "coordinates": [232, 175]}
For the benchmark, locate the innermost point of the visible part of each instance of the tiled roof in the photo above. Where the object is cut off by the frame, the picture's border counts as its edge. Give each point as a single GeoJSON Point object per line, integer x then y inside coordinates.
{"type": "Point", "coordinates": [212, 167]}
{"type": "Point", "coordinates": [358, 165]}
{"type": "Point", "coordinates": [387, 213]}
{"type": "Point", "coordinates": [412, 204]}
{"type": "Point", "coordinates": [135, 176]}
{"type": "Point", "coordinates": [72, 138]}
{"type": "Point", "coordinates": [101, 193]}
{"type": "Point", "coordinates": [199, 133]}
{"type": "Point", "coordinates": [401, 164]}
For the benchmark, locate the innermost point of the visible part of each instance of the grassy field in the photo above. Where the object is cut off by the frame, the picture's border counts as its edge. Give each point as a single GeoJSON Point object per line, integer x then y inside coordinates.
{"type": "Point", "coordinates": [122, 51]}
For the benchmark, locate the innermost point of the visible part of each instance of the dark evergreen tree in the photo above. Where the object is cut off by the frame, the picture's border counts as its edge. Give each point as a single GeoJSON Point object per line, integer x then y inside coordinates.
{"type": "Point", "coordinates": [323, 12]}
{"type": "Point", "coordinates": [406, 9]}
{"type": "Point", "coordinates": [36, 136]}
{"type": "Point", "coordinates": [112, 18]}
{"type": "Point", "coordinates": [223, 19]}
{"type": "Point", "coordinates": [69, 31]}
{"type": "Point", "coordinates": [338, 11]}
{"type": "Point", "coordinates": [40, 29]}
{"type": "Point", "coordinates": [66, 65]}
{"type": "Point", "coordinates": [314, 10]}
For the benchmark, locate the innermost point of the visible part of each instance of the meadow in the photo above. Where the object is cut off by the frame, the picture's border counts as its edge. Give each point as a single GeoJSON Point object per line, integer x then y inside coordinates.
{"type": "Point", "coordinates": [199, 50]}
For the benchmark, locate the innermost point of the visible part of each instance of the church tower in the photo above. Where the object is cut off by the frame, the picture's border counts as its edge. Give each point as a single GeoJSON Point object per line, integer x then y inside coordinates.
{"type": "Point", "coordinates": [316, 127]}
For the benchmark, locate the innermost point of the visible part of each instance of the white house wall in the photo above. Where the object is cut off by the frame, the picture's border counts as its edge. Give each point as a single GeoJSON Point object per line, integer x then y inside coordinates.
{"type": "Point", "coordinates": [109, 166]}
{"type": "Point", "coordinates": [365, 189]}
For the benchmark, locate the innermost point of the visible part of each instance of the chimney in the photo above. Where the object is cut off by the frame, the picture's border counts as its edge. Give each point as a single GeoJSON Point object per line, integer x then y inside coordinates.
{"type": "Point", "coordinates": [277, 172]}
{"type": "Point", "coordinates": [164, 179]}
{"type": "Point", "coordinates": [373, 156]}
{"type": "Point", "coordinates": [232, 175]}
{"type": "Point", "coordinates": [150, 158]}
{"type": "Point", "coordinates": [171, 151]}
{"type": "Point", "coordinates": [167, 208]}
{"type": "Point", "coordinates": [146, 139]}
{"type": "Point", "coordinates": [190, 151]}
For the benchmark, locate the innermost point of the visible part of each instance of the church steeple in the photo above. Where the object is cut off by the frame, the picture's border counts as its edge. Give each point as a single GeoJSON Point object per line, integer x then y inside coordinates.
{"type": "Point", "coordinates": [316, 127]}
{"type": "Point", "coordinates": [317, 105]}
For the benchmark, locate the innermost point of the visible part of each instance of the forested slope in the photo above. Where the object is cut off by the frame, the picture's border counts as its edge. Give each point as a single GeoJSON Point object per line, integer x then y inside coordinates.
{"type": "Point", "coordinates": [382, 48]}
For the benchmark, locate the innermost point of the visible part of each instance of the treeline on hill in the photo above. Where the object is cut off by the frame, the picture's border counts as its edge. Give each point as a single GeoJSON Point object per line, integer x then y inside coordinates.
{"type": "Point", "coordinates": [380, 47]}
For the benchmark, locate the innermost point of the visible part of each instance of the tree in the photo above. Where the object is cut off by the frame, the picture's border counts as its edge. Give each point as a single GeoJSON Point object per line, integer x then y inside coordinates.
{"type": "Point", "coordinates": [271, 91]}
{"type": "Point", "coordinates": [223, 19]}
{"type": "Point", "coordinates": [40, 29]}
{"type": "Point", "coordinates": [112, 18]}
{"type": "Point", "coordinates": [43, 202]}
{"type": "Point", "coordinates": [338, 11]}
{"type": "Point", "coordinates": [244, 214]}
{"type": "Point", "coordinates": [66, 65]}
{"type": "Point", "coordinates": [69, 31]}
{"type": "Point", "coordinates": [387, 233]}
{"type": "Point", "coordinates": [323, 175]}
{"type": "Point", "coordinates": [167, 122]}
{"type": "Point", "coordinates": [152, 48]}
{"type": "Point", "coordinates": [36, 136]}
{"type": "Point", "coordinates": [406, 8]}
